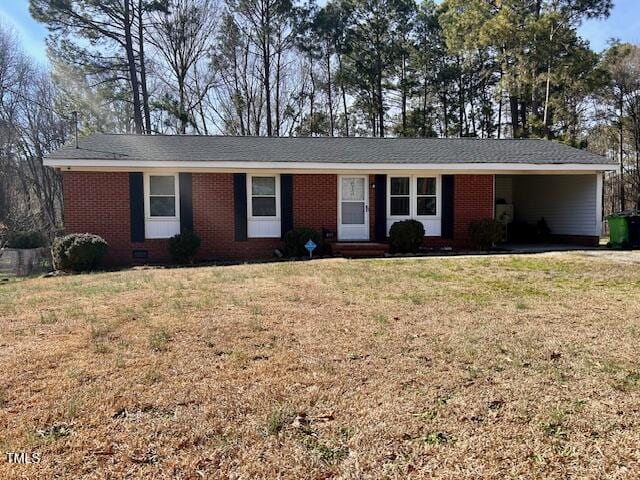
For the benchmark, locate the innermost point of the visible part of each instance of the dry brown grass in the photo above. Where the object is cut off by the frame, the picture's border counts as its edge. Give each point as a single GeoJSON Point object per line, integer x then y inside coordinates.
{"type": "Point", "coordinates": [509, 367]}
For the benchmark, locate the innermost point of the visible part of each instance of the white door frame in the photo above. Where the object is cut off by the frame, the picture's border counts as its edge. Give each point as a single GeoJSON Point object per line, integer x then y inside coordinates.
{"type": "Point", "coordinates": [354, 232]}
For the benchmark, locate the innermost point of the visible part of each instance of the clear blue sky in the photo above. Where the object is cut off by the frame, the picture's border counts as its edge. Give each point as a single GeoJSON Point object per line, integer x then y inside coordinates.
{"type": "Point", "coordinates": [623, 24]}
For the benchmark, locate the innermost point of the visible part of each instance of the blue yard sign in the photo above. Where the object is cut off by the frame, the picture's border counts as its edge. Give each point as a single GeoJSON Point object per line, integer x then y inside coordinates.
{"type": "Point", "coordinates": [310, 246]}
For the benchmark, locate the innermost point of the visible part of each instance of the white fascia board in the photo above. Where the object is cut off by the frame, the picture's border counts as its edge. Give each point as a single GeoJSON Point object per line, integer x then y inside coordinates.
{"type": "Point", "coordinates": [313, 167]}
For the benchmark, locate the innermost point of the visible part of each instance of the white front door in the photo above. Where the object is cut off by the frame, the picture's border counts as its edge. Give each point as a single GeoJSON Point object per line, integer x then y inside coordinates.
{"type": "Point", "coordinates": [353, 207]}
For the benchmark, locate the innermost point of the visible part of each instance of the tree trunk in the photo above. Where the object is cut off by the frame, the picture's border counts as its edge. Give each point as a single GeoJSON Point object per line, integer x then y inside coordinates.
{"type": "Point", "coordinates": [403, 91]}
{"type": "Point", "coordinates": [424, 103]}
{"type": "Point", "coordinates": [266, 54]}
{"type": "Point", "coordinates": [278, 66]}
{"type": "Point", "coordinates": [545, 118]}
{"type": "Point", "coordinates": [621, 133]}
{"type": "Point", "coordinates": [245, 68]}
{"type": "Point", "coordinates": [201, 96]}
{"type": "Point", "coordinates": [182, 129]}
{"type": "Point", "coordinates": [445, 108]}
{"type": "Point", "coordinates": [329, 93]}
{"type": "Point", "coordinates": [143, 72]}
{"type": "Point", "coordinates": [472, 113]}
{"type": "Point", "coordinates": [460, 110]}
{"type": "Point", "coordinates": [312, 98]}
{"type": "Point", "coordinates": [379, 95]}
{"type": "Point", "coordinates": [133, 74]}
{"type": "Point", "coordinates": [344, 99]}
{"type": "Point", "coordinates": [460, 101]}
{"type": "Point", "coordinates": [523, 119]}
{"type": "Point", "coordinates": [515, 116]}
{"type": "Point", "coordinates": [500, 106]}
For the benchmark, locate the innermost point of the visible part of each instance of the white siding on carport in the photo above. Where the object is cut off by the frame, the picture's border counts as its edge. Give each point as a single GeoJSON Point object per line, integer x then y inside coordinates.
{"type": "Point", "coordinates": [569, 203]}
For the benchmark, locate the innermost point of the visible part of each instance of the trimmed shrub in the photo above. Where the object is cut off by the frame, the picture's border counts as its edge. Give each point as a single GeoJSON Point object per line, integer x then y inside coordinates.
{"type": "Point", "coordinates": [406, 236]}
{"type": "Point", "coordinates": [25, 239]}
{"type": "Point", "coordinates": [294, 241]}
{"type": "Point", "coordinates": [183, 247]}
{"type": "Point", "coordinates": [78, 252]}
{"type": "Point", "coordinates": [486, 233]}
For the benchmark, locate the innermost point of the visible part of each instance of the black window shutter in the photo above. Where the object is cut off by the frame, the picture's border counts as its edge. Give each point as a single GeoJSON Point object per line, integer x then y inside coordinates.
{"type": "Point", "coordinates": [447, 206]}
{"type": "Point", "coordinates": [286, 200]}
{"type": "Point", "coordinates": [186, 201]}
{"type": "Point", "coordinates": [381, 207]}
{"type": "Point", "coordinates": [136, 206]}
{"type": "Point", "coordinates": [240, 205]}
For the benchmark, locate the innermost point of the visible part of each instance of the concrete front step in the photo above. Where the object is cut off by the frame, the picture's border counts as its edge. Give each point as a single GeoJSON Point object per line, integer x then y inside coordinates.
{"type": "Point", "coordinates": [360, 249]}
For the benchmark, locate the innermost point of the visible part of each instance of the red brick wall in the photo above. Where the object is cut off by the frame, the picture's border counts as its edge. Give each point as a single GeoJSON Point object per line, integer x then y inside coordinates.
{"type": "Point", "coordinates": [315, 201]}
{"type": "Point", "coordinates": [473, 199]}
{"type": "Point", "coordinates": [98, 202]}
{"type": "Point", "coordinates": [214, 221]}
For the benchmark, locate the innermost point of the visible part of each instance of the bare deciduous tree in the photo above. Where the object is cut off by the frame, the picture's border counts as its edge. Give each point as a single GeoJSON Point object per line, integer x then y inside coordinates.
{"type": "Point", "coordinates": [30, 126]}
{"type": "Point", "coordinates": [183, 37]}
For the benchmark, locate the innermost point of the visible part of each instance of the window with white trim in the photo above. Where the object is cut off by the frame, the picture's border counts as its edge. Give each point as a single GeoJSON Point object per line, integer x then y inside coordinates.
{"type": "Point", "coordinates": [162, 196]}
{"type": "Point", "coordinates": [263, 206]}
{"type": "Point", "coordinates": [415, 197]}
{"type": "Point", "coordinates": [426, 197]}
{"type": "Point", "coordinates": [400, 196]}
{"type": "Point", "coordinates": [263, 197]}
{"type": "Point", "coordinates": [161, 205]}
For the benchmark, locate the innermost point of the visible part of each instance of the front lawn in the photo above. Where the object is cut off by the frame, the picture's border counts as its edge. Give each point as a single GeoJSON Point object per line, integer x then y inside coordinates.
{"type": "Point", "coordinates": [487, 367]}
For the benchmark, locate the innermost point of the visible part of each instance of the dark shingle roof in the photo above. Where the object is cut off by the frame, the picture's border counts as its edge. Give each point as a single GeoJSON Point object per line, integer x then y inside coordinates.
{"type": "Point", "coordinates": [329, 150]}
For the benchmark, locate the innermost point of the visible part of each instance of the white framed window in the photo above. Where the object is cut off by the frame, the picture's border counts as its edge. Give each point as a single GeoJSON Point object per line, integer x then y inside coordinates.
{"type": "Point", "coordinates": [426, 196]}
{"type": "Point", "coordinates": [263, 206]}
{"type": "Point", "coordinates": [163, 198]}
{"type": "Point", "coordinates": [415, 197]}
{"type": "Point", "coordinates": [400, 196]}
{"type": "Point", "coordinates": [264, 197]}
{"type": "Point", "coordinates": [161, 205]}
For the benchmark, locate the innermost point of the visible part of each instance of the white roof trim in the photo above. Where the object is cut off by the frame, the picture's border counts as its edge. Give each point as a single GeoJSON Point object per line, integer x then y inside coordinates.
{"type": "Point", "coordinates": [128, 165]}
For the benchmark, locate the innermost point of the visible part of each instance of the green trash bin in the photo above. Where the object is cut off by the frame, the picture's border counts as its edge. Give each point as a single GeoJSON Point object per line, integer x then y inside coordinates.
{"type": "Point", "coordinates": [618, 231]}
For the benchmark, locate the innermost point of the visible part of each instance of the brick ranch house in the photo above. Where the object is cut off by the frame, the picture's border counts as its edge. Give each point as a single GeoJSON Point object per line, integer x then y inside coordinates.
{"type": "Point", "coordinates": [241, 194]}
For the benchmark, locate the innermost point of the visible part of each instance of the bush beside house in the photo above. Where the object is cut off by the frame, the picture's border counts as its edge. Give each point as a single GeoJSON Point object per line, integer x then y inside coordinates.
{"type": "Point", "coordinates": [485, 233]}
{"type": "Point", "coordinates": [184, 246]}
{"type": "Point", "coordinates": [78, 252]}
{"type": "Point", "coordinates": [406, 236]}
{"type": "Point", "coordinates": [295, 240]}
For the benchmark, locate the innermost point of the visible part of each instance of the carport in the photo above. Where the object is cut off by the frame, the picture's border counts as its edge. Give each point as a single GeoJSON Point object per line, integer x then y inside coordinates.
{"type": "Point", "coordinates": [570, 204]}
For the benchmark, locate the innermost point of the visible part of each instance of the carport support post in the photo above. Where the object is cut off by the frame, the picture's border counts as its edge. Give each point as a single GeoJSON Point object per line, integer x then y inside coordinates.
{"type": "Point", "coordinates": [599, 201]}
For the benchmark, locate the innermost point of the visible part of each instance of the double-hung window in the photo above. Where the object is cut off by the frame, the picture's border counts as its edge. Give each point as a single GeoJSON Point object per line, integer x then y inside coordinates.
{"type": "Point", "coordinates": [400, 197]}
{"type": "Point", "coordinates": [162, 196]}
{"type": "Point", "coordinates": [263, 206]}
{"type": "Point", "coordinates": [162, 207]}
{"type": "Point", "coordinates": [426, 197]}
{"type": "Point", "coordinates": [414, 197]}
{"type": "Point", "coordinates": [263, 197]}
